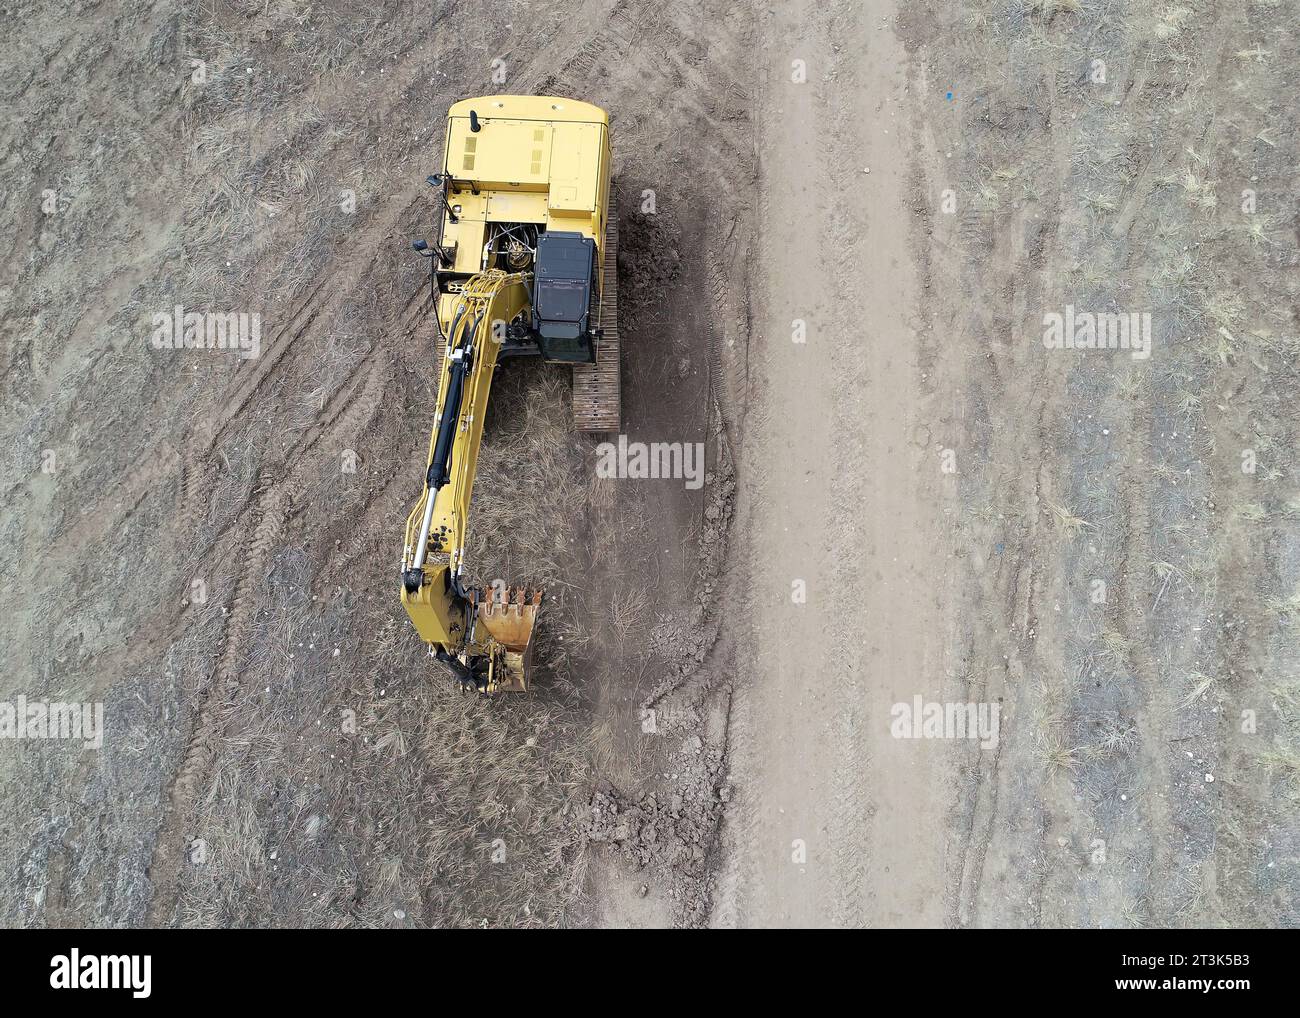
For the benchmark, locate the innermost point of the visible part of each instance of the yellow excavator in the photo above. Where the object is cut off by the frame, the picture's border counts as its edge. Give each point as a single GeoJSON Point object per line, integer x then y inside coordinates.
{"type": "Point", "coordinates": [525, 264]}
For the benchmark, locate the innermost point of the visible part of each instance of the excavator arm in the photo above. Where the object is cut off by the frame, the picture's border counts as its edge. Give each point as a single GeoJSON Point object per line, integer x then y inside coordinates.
{"type": "Point", "coordinates": [485, 641]}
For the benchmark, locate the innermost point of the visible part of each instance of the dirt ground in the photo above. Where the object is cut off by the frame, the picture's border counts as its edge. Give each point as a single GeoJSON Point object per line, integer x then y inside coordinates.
{"type": "Point", "coordinates": [842, 225]}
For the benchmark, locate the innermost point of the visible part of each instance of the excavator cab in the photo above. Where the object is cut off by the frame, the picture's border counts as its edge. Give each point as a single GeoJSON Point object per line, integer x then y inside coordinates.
{"type": "Point", "coordinates": [563, 318]}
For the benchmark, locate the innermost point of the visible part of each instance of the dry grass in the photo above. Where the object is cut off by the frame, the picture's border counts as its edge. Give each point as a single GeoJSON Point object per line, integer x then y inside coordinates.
{"type": "Point", "coordinates": [1282, 762]}
{"type": "Point", "coordinates": [1170, 23]}
{"type": "Point", "coordinates": [1114, 734]}
{"type": "Point", "coordinates": [1286, 608]}
{"type": "Point", "coordinates": [1200, 686]}
{"type": "Point", "coordinates": [1059, 757]}
{"type": "Point", "coordinates": [1116, 647]}
{"type": "Point", "coordinates": [1048, 9]}
{"type": "Point", "coordinates": [1065, 521]}
{"type": "Point", "coordinates": [628, 610]}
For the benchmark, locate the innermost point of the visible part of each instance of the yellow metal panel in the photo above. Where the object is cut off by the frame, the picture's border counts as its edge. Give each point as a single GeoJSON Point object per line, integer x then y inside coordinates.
{"type": "Point", "coordinates": [575, 166]}
{"type": "Point", "coordinates": [516, 207]}
{"type": "Point", "coordinates": [467, 235]}
{"type": "Point", "coordinates": [536, 159]}
{"type": "Point", "coordinates": [430, 609]}
{"type": "Point", "coordinates": [503, 153]}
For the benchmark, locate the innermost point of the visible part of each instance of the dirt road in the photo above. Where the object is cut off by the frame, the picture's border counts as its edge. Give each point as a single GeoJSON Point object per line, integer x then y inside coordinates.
{"type": "Point", "coordinates": [837, 822]}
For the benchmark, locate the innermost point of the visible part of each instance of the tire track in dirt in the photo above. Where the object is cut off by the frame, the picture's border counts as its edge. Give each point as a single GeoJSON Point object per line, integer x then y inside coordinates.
{"type": "Point", "coordinates": [997, 306]}
{"type": "Point", "coordinates": [850, 808]}
{"type": "Point", "coordinates": [1050, 790]}
{"type": "Point", "coordinates": [271, 505]}
{"type": "Point", "coordinates": [194, 468]}
{"type": "Point", "coordinates": [1181, 875]}
{"type": "Point", "coordinates": [267, 516]}
{"type": "Point", "coordinates": [765, 823]}
{"type": "Point", "coordinates": [1007, 261]}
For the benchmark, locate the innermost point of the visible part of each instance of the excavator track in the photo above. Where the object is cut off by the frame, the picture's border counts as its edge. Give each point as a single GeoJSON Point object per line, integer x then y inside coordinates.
{"type": "Point", "coordinates": [597, 392]}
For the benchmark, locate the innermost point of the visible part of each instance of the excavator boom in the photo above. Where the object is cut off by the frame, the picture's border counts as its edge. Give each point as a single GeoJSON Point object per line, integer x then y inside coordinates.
{"type": "Point", "coordinates": [445, 613]}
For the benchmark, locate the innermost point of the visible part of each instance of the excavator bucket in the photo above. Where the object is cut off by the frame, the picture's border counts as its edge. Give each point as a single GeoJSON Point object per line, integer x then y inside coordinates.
{"type": "Point", "coordinates": [510, 624]}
